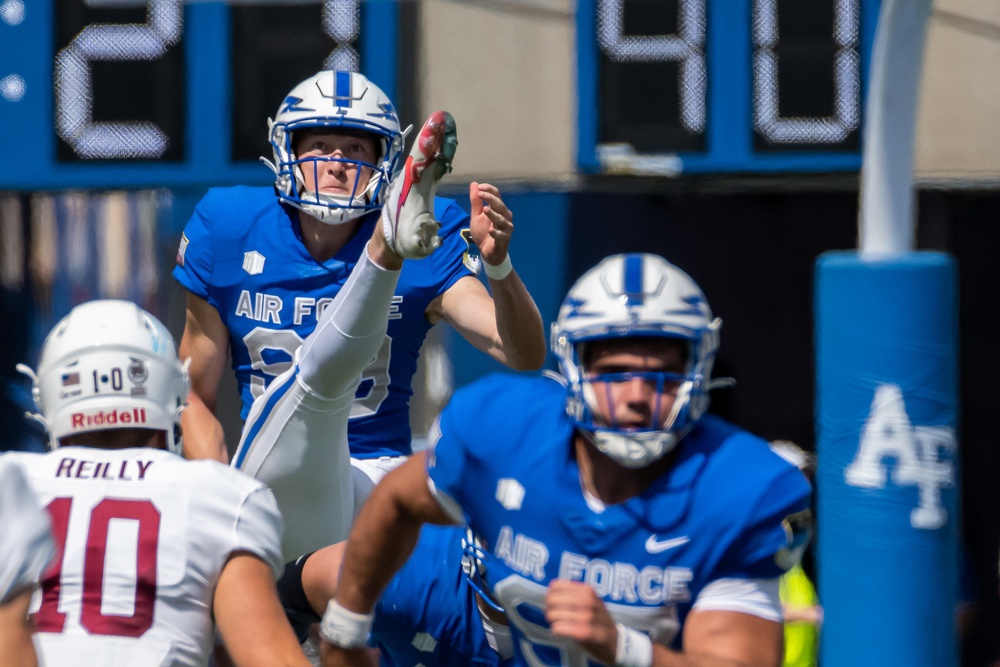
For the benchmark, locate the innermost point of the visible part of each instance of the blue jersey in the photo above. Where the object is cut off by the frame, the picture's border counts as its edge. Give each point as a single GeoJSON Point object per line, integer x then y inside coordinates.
{"type": "Point", "coordinates": [727, 508]}
{"type": "Point", "coordinates": [243, 253]}
{"type": "Point", "coordinates": [427, 615]}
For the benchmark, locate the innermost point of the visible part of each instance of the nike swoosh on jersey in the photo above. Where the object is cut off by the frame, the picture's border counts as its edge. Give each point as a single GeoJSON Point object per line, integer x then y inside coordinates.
{"type": "Point", "coordinates": [655, 546]}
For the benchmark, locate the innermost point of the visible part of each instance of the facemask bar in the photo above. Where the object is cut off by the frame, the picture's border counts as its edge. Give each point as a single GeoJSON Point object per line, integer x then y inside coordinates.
{"type": "Point", "coordinates": [662, 383]}
{"type": "Point", "coordinates": [357, 197]}
{"type": "Point", "coordinates": [474, 559]}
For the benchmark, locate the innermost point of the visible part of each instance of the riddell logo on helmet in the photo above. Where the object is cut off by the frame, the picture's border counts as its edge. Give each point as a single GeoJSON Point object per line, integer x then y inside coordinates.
{"type": "Point", "coordinates": [108, 418]}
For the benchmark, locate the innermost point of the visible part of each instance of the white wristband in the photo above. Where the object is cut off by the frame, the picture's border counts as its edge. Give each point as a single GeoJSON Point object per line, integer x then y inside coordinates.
{"type": "Point", "coordinates": [500, 271]}
{"type": "Point", "coordinates": [345, 628]}
{"type": "Point", "coordinates": [634, 649]}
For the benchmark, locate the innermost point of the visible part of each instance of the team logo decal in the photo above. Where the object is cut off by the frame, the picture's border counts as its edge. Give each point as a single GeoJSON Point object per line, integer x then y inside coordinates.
{"type": "Point", "coordinates": [510, 493]}
{"type": "Point", "coordinates": [292, 103]}
{"type": "Point", "coordinates": [471, 258]}
{"type": "Point", "coordinates": [424, 642]}
{"type": "Point", "coordinates": [181, 249]}
{"type": "Point", "coordinates": [137, 372]}
{"type": "Point", "coordinates": [253, 262]}
{"type": "Point", "coordinates": [924, 456]}
{"type": "Point", "coordinates": [798, 532]}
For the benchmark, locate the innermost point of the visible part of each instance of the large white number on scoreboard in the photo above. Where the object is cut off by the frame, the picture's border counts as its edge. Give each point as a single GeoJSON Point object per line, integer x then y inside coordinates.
{"type": "Point", "coordinates": [342, 22]}
{"type": "Point", "coordinates": [74, 92]}
{"type": "Point", "coordinates": [846, 114]}
{"type": "Point", "coordinates": [686, 47]}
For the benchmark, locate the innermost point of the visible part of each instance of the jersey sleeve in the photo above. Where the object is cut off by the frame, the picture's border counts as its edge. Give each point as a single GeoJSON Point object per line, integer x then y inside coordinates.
{"type": "Point", "coordinates": [446, 463]}
{"type": "Point", "coordinates": [259, 527]}
{"type": "Point", "coordinates": [777, 530]}
{"type": "Point", "coordinates": [26, 544]}
{"type": "Point", "coordinates": [458, 256]}
{"type": "Point", "coordinates": [195, 254]}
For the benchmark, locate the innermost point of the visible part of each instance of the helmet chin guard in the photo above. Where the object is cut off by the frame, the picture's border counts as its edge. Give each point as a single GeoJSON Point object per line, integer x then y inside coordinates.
{"type": "Point", "coordinates": [636, 450]}
{"type": "Point", "coordinates": [109, 365]}
{"type": "Point", "coordinates": [331, 209]}
{"type": "Point", "coordinates": [335, 100]}
{"type": "Point", "coordinates": [636, 296]}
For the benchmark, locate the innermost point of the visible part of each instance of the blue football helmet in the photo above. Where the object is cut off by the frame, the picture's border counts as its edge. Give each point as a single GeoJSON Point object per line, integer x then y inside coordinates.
{"type": "Point", "coordinates": [636, 295]}
{"type": "Point", "coordinates": [334, 99]}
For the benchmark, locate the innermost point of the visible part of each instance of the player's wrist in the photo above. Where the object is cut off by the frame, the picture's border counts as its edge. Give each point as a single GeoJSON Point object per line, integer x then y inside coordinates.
{"type": "Point", "coordinates": [634, 649]}
{"type": "Point", "coordinates": [498, 271]}
{"type": "Point", "coordinates": [345, 628]}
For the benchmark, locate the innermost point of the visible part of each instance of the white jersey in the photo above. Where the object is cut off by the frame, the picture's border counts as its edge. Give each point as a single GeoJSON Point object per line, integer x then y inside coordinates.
{"type": "Point", "coordinates": [145, 536]}
{"type": "Point", "coordinates": [26, 544]}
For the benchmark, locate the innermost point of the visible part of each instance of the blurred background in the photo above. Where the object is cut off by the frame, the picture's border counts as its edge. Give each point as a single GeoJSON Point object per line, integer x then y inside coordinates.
{"type": "Point", "coordinates": [724, 135]}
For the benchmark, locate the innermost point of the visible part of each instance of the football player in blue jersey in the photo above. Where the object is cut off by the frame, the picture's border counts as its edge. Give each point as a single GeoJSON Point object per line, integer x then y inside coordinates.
{"type": "Point", "coordinates": [433, 612]}
{"type": "Point", "coordinates": [624, 525]}
{"type": "Point", "coordinates": [262, 264]}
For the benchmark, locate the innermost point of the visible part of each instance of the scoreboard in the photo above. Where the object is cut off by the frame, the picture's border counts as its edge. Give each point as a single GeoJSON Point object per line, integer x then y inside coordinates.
{"type": "Point", "coordinates": [722, 86]}
{"type": "Point", "coordinates": [139, 93]}
{"type": "Point", "coordinates": [174, 93]}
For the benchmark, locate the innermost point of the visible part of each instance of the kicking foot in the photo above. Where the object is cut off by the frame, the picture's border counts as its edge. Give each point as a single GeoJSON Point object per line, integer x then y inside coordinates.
{"type": "Point", "coordinates": [408, 214]}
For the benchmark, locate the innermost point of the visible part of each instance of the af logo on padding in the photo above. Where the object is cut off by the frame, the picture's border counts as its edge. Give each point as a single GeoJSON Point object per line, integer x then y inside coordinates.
{"type": "Point", "coordinates": [924, 456]}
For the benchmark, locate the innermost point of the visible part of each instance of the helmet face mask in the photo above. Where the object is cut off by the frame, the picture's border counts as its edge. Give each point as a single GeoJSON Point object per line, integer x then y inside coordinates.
{"type": "Point", "coordinates": [109, 365]}
{"type": "Point", "coordinates": [474, 560]}
{"type": "Point", "coordinates": [336, 101]}
{"type": "Point", "coordinates": [309, 165]}
{"type": "Point", "coordinates": [636, 296]}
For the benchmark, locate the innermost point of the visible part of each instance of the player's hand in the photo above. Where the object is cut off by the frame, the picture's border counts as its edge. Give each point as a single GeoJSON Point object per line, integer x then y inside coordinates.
{"type": "Point", "coordinates": [334, 656]}
{"type": "Point", "coordinates": [575, 612]}
{"type": "Point", "coordinates": [492, 222]}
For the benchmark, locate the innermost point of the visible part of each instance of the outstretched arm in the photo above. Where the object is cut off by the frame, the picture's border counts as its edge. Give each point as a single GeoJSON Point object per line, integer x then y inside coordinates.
{"type": "Point", "coordinates": [382, 539]}
{"type": "Point", "coordinates": [507, 326]}
{"type": "Point", "coordinates": [206, 342]}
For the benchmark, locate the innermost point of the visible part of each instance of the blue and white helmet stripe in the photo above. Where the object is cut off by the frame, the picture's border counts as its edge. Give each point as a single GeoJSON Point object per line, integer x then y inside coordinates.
{"type": "Point", "coordinates": [634, 284]}
{"type": "Point", "coordinates": [632, 295]}
{"type": "Point", "coordinates": [342, 89]}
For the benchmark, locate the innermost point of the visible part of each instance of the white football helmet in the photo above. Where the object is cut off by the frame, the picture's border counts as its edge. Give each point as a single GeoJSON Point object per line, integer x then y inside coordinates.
{"type": "Point", "coordinates": [636, 295]}
{"type": "Point", "coordinates": [334, 99]}
{"type": "Point", "coordinates": [109, 364]}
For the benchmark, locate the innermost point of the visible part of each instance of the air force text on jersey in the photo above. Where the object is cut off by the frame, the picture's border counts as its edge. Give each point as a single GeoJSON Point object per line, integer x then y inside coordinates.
{"type": "Point", "coordinates": [616, 581]}
{"type": "Point", "coordinates": [262, 307]}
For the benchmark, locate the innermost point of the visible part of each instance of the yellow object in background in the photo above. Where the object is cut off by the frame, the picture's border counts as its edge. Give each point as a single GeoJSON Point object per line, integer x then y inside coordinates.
{"type": "Point", "coordinates": [803, 617]}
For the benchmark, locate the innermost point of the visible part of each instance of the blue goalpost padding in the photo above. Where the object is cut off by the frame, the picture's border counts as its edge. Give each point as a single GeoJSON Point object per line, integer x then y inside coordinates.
{"type": "Point", "coordinates": [887, 479]}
